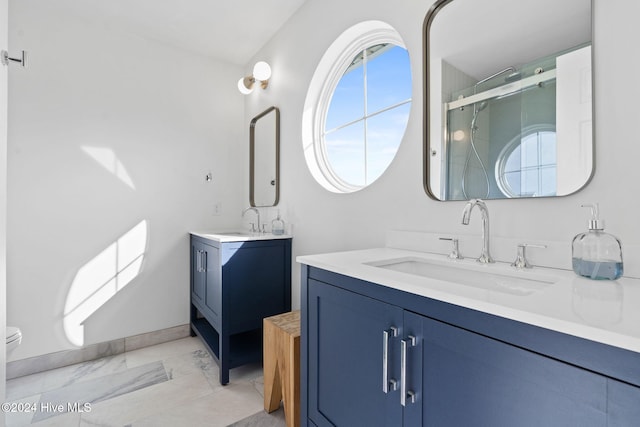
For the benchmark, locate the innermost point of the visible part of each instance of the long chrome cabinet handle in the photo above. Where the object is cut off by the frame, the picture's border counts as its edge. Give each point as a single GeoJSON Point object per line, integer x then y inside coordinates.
{"type": "Point", "coordinates": [404, 393]}
{"type": "Point", "coordinates": [204, 261]}
{"type": "Point", "coordinates": [198, 261]}
{"type": "Point", "coordinates": [386, 381]}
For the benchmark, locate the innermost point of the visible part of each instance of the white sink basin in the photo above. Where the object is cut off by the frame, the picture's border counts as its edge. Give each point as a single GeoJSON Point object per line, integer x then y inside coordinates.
{"type": "Point", "coordinates": [490, 277]}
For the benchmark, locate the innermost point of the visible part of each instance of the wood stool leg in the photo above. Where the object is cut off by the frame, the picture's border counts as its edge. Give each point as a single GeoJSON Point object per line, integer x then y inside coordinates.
{"type": "Point", "coordinates": [272, 382]}
{"type": "Point", "coordinates": [291, 377]}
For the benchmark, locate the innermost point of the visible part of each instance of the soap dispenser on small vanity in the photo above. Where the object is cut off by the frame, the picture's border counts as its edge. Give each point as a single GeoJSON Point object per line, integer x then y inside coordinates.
{"type": "Point", "coordinates": [277, 225]}
{"type": "Point", "coordinates": [595, 254]}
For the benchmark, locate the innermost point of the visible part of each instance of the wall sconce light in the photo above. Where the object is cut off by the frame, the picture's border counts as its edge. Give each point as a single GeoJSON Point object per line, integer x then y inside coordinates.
{"type": "Point", "coordinates": [261, 73]}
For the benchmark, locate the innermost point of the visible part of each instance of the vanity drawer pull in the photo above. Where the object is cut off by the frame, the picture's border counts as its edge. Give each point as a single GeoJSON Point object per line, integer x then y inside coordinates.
{"type": "Point", "coordinates": [404, 393]}
{"type": "Point", "coordinates": [203, 263]}
{"type": "Point", "coordinates": [386, 381]}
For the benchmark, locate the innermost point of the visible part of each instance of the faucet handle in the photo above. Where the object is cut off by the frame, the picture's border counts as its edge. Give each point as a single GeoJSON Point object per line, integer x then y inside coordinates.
{"type": "Point", "coordinates": [521, 259]}
{"type": "Point", "coordinates": [455, 251]}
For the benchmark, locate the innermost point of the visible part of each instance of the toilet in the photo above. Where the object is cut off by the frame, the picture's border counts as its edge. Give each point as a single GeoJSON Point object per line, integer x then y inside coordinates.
{"type": "Point", "coordinates": [14, 337]}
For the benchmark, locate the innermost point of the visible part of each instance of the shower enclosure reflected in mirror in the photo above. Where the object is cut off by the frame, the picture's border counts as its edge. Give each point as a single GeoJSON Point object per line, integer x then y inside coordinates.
{"type": "Point", "coordinates": [508, 98]}
{"type": "Point", "coordinates": [264, 158]}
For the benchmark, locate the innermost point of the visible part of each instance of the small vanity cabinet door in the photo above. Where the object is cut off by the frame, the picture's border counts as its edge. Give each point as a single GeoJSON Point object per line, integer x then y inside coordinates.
{"type": "Point", "coordinates": [471, 380]}
{"type": "Point", "coordinates": [198, 273]}
{"type": "Point", "coordinates": [205, 287]}
{"type": "Point", "coordinates": [346, 332]}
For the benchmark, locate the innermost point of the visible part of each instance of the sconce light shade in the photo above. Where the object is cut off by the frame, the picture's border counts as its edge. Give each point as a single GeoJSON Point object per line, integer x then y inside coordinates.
{"type": "Point", "coordinates": [262, 71]}
{"type": "Point", "coordinates": [245, 85]}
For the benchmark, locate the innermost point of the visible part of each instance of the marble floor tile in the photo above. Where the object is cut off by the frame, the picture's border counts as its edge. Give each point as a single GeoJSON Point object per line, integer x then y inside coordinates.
{"type": "Point", "coordinates": [24, 416]}
{"type": "Point", "coordinates": [195, 361]}
{"type": "Point", "coordinates": [258, 383]}
{"type": "Point", "coordinates": [57, 378]}
{"type": "Point", "coordinates": [100, 389]}
{"type": "Point", "coordinates": [144, 403]}
{"type": "Point", "coordinates": [246, 373]}
{"type": "Point", "coordinates": [29, 385]}
{"type": "Point", "coordinates": [62, 420]}
{"type": "Point", "coordinates": [170, 384]}
{"type": "Point", "coordinates": [263, 419]}
{"type": "Point", "coordinates": [218, 409]}
{"type": "Point", "coordinates": [163, 351]}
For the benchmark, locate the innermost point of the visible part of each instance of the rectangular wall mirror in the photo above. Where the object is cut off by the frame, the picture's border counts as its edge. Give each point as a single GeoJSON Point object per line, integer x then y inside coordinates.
{"type": "Point", "coordinates": [264, 158]}
{"type": "Point", "coordinates": [508, 98]}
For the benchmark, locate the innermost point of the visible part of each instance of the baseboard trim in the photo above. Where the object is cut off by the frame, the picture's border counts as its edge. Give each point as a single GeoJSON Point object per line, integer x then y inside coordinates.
{"type": "Point", "coordinates": [46, 362]}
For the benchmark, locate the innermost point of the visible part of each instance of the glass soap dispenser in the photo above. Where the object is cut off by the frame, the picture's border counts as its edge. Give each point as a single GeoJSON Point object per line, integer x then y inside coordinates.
{"type": "Point", "coordinates": [595, 254]}
{"type": "Point", "coordinates": [277, 225]}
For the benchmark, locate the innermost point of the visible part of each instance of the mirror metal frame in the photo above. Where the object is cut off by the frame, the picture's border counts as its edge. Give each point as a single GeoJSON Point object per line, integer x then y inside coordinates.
{"type": "Point", "coordinates": [252, 155]}
{"type": "Point", "coordinates": [426, 40]}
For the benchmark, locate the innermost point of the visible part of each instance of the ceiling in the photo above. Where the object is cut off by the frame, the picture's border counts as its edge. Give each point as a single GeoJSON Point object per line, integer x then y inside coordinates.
{"type": "Point", "coordinates": [482, 37]}
{"type": "Point", "coordinates": [226, 30]}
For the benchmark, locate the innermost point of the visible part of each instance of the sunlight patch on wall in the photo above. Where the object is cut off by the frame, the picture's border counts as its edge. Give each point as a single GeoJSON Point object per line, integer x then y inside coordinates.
{"type": "Point", "coordinates": [108, 159]}
{"type": "Point", "coordinates": [102, 278]}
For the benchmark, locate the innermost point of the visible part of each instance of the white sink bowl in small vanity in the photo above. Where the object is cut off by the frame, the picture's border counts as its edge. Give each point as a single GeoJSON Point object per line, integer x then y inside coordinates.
{"type": "Point", "coordinates": [237, 279]}
{"type": "Point", "coordinates": [415, 339]}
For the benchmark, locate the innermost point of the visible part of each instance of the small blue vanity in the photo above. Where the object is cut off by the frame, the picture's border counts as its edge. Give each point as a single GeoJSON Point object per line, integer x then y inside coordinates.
{"type": "Point", "coordinates": [541, 347]}
{"type": "Point", "coordinates": [237, 279]}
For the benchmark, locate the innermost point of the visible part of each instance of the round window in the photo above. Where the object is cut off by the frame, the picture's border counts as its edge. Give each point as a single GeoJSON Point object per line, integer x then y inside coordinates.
{"type": "Point", "coordinates": [527, 165]}
{"type": "Point", "coordinates": [357, 107]}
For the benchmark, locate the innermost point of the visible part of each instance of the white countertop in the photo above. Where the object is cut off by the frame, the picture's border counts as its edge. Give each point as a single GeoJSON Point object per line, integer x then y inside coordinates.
{"type": "Point", "coordinates": [602, 311]}
{"type": "Point", "coordinates": [238, 236]}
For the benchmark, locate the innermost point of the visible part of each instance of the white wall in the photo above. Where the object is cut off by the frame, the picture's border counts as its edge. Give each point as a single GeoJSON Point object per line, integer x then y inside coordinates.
{"type": "Point", "coordinates": [330, 222]}
{"type": "Point", "coordinates": [4, 10]}
{"type": "Point", "coordinates": [161, 119]}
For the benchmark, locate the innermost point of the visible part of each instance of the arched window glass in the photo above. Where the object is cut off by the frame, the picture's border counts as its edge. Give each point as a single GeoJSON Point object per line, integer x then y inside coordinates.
{"type": "Point", "coordinates": [360, 116]}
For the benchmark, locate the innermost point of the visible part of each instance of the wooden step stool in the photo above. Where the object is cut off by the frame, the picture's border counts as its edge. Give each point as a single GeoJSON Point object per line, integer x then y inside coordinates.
{"type": "Point", "coordinates": [282, 365]}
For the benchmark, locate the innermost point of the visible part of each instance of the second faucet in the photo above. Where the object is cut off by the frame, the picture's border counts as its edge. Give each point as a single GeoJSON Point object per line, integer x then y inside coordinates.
{"type": "Point", "coordinates": [251, 208]}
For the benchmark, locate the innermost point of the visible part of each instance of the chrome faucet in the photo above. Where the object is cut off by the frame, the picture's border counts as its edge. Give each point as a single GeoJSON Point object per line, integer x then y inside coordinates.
{"type": "Point", "coordinates": [485, 256]}
{"type": "Point", "coordinates": [251, 208]}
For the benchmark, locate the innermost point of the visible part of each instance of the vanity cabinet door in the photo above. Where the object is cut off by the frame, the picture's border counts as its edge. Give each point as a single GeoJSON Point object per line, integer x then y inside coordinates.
{"type": "Point", "coordinates": [205, 280]}
{"type": "Point", "coordinates": [198, 273]}
{"type": "Point", "coordinates": [469, 379]}
{"type": "Point", "coordinates": [346, 363]}
{"type": "Point", "coordinates": [623, 402]}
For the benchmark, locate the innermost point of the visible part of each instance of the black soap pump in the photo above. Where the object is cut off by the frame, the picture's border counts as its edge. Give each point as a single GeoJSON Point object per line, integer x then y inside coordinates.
{"type": "Point", "coordinates": [596, 254]}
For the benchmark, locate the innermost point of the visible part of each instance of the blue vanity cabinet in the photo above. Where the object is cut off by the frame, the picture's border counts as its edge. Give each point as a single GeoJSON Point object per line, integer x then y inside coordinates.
{"type": "Point", "coordinates": [346, 364]}
{"type": "Point", "coordinates": [461, 367]}
{"type": "Point", "coordinates": [234, 285]}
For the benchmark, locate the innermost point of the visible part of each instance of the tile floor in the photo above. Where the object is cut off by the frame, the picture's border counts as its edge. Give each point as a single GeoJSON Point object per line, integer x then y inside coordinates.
{"type": "Point", "coordinates": [170, 384]}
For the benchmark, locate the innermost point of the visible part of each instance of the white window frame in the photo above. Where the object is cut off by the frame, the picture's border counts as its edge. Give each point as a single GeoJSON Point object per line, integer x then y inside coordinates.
{"type": "Point", "coordinates": [328, 74]}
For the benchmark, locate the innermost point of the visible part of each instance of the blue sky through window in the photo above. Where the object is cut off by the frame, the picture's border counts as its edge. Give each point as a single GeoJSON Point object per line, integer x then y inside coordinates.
{"type": "Point", "coordinates": [361, 142]}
